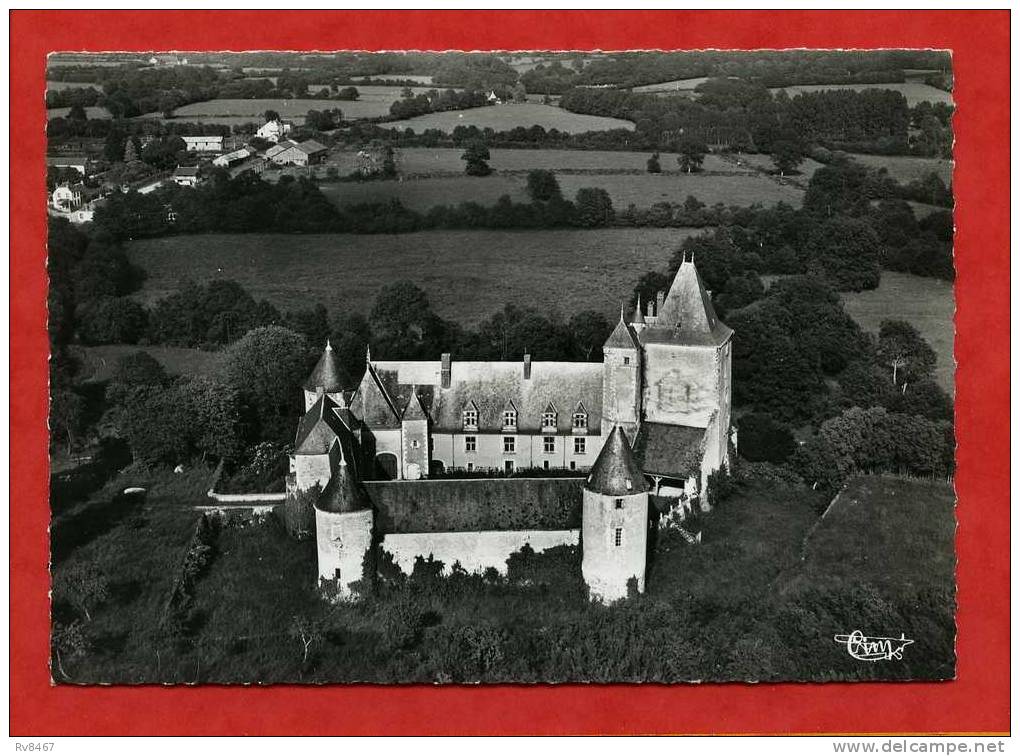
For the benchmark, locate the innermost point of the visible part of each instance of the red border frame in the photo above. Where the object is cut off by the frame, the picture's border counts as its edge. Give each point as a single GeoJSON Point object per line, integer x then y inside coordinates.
{"type": "Point", "coordinates": [978, 701]}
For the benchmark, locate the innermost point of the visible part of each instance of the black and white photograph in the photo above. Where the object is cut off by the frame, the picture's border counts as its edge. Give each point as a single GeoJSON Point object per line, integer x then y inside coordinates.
{"type": "Point", "coordinates": [518, 367]}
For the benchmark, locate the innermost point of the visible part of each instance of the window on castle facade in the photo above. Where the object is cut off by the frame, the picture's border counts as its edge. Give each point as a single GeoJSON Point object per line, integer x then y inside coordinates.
{"type": "Point", "coordinates": [549, 420]}
{"type": "Point", "coordinates": [626, 360]}
{"type": "Point", "coordinates": [415, 444]}
{"type": "Point", "coordinates": [549, 445]}
{"type": "Point", "coordinates": [470, 418]}
{"type": "Point", "coordinates": [509, 419]}
{"type": "Point", "coordinates": [509, 445]}
{"type": "Point", "coordinates": [618, 537]}
{"type": "Point", "coordinates": [580, 420]}
{"type": "Point", "coordinates": [619, 503]}
{"type": "Point", "coordinates": [579, 445]}
{"type": "Point", "coordinates": [470, 444]}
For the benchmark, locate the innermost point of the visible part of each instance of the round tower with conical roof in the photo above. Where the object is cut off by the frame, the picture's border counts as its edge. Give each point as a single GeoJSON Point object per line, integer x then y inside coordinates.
{"type": "Point", "coordinates": [343, 532]}
{"type": "Point", "coordinates": [328, 378]}
{"type": "Point", "coordinates": [614, 522]}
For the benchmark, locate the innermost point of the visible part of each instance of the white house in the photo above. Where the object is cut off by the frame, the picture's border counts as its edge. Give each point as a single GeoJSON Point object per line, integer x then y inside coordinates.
{"type": "Point", "coordinates": [186, 175]}
{"type": "Point", "coordinates": [66, 197]}
{"type": "Point", "coordinates": [273, 131]}
{"type": "Point", "coordinates": [203, 143]}
{"type": "Point", "coordinates": [79, 164]}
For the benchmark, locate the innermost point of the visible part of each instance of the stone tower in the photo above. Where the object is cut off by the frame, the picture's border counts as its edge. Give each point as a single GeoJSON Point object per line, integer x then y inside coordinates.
{"type": "Point", "coordinates": [614, 521]}
{"type": "Point", "coordinates": [343, 530]}
{"type": "Point", "coordinates": [327, 378]}
{"type": "Point", "coordinates": [687, 365]}
{"type": "Point", "coordinates": [414, 432]}
{"type": "Point", "coordinates": [621, 379]}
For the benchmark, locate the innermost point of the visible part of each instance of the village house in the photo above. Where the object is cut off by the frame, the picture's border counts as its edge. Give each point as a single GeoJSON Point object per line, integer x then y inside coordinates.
{"type": "Point", "coordinates": [274, 131]}
{"type": "Point", "coordinates": [231, 158]}
{"type": "Point", "coordinates": [651, 420]}
{"type": "Point", "coordinates": [186, 175]}
{"type": "Point", "coordinates": [304, 153]}
{"type": "Point", "coordinates": [203, 143]}
{"type": "Point", "coordinates": [80, 164]}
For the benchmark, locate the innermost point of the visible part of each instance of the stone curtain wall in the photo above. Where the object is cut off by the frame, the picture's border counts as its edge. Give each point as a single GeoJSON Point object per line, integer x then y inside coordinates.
{"type": "Point", "coordinates": [478, 505]}
{"type": "Point", "coordinates": [475, 551]}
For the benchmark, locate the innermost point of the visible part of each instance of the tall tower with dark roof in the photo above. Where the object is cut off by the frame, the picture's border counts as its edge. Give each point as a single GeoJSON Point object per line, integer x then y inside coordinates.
{"type": "Point", "coordinates": [621, 381]}
{"type": "Point", "coordinates": [614, 522]}
{"type": "Point", "coordinates": [343, 529]}
{"type": "Point", "coordinates": [686, 376]}
{"type": "Point", "coordinates": [414, 431]}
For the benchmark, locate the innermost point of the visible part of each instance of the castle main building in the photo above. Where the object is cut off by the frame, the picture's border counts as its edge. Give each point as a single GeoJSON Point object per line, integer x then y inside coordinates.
{"type": "Point", "coordinates": [652, 419]}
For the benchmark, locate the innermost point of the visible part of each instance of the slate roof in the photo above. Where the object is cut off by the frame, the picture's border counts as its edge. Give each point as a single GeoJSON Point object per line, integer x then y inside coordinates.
{"type": "Point", "coordinates": [186, 170]}
{"type": "Point", "coordinates": [490, 386]}
{"type": "Point", "coordinates": [673, 451]}
{"type": "Point", "coordinates": [282, 146]}
{"type": "Point", "coordinates": [622, 337]}
{"type": "Point", "coordinates": [414, 409]}
{"type": "Point", "coordinates": [328, 374]}
{"type": "Point", "coordinates": [321, 425]}
{"type": "Point", "coordinates": [616, 472]}
{"type": "Point", "coordinates": [343, 493]}
{"type": "Point", "coordinates": [475, 505]}
{"type": "Point", "coordinates": [686, 315]}
{"type": "Point", "coordinates": [372, 403]}
{"type": "Point", "coordinates": [310, 147]}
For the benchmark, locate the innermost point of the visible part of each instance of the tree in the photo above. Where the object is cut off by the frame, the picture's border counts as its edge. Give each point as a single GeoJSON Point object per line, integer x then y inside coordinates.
{"type": "Point", "coordinates": [476, 154]}
{"type": "Point", "coordinates": [845, 252]}
{"type": "Point", "coordinates": [83, 585]}
{"type": "Point", "coordinates": [762, 439]}
{"type": "Point", "coordinates": [691, 154]}
{"type": "Point", "coordinates": [112, 320]}
{"type": "Point", "coordinates": [67, 415]}
{"type": "Point", "coordinates": [167, 105]}
{"type": "Point", "coordinates": [267, 367]}
{"type": "Point", "coordinates": [588, 332]}
{"type": "Point", "coordinates": [307, 631]}
{"type": "Point", "coordinates": [594, 207]}
{"type": "Point", "coordinates": [113, 147]}
{"type": "Point", "coordinates": [903, 350]}
{"type": "Point", "coordinates": [77, 113]}
{"type": "Point", "coordinates": [270, 116]}
{"type": "Point", "coordinates": [787, 154]}
{"type": "Point", "coordinates": [543, 186]}
{"type": "Point", "coordinates": [132, 150]}
{"type": "Point", "coordinates": [653, 165]}
{"type": "Point", "coordinates": [520, 93]}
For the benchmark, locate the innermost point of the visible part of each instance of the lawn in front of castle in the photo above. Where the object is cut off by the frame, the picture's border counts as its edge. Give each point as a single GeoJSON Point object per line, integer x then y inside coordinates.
{"type": "Point", "coordinates": [759, 599]}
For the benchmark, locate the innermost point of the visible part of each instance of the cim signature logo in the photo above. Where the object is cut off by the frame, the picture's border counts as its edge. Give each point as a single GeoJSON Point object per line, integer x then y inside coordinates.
{"type": "Point", "coordinates": [863, 648]}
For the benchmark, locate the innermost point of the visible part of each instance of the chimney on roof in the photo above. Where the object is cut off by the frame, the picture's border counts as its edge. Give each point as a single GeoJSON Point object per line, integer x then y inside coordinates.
{"type": "Point", "coordinates": [527, 367]}
{"type": "Point", "coordinates": [659, 299]}
{"type": "Point", "coordinates": [650, 309]}
{"type": "Point", "coordinates": [446, 370]}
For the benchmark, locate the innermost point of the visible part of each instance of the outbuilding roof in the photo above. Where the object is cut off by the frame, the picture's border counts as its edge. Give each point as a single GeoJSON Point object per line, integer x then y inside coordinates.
{"type": "Point", "coordinates": [672, 451]}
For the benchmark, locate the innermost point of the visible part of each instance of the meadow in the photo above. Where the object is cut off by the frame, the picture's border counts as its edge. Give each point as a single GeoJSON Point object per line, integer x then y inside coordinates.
{"type": "Point", "coordinates": [99, 362]}
{"type": "Point", "coordinates": [373, 101]}
{"type": "Point", "coordinates": [926, 303]}
{"type": "Point", "coordinates": [90, 112]}
{"type": "Point", "coordinates": [677, 85]}
{"type": "Point", "coordinates": [914, 91]}
{"type": "Point", "coordinates": [505, 117]}
{"type": "Point", "coordinates": [642, 190]}
{"type": "Point", "coordinates": [468, 275]}
{"type": "Point", "coordinates": [906, 169]}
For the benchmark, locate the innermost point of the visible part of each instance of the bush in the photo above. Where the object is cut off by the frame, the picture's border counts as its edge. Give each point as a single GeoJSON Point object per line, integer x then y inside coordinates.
{"type": "Point", "coordinates": [762, 439]}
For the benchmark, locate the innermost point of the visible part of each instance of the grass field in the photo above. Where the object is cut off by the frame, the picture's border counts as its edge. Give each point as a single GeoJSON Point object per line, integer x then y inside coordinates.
{"type": "Point", "coordinates": [914, 91]}
{"type": "Point", "coordinates": [643, 190]}
{"type": "Point", "coordinates": [677, 85]}
{"type": "Point", "coordinates": [895, 532]}
{"type": "Point", "coordinates": [417, 78]}
{"type": "Point", "coordinates": [906, 169]}
{"type": "Point", "coordinates": [99, 362]}
{"type": "Point", "coordinates": [91, 112]}
{"type": "Point", "coordinates": [505, 117]}
{"type": "Point", "coordinates": [468, 274]}
{"type": "Point", "coordinates": [373, 101]}
{"type": "Point", "coordinates": [926, 303]}
{"type": "Point", "coordinates": [764, 162]}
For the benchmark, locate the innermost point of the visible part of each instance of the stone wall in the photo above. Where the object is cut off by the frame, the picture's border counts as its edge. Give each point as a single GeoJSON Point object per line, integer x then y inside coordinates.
{"type": "Point", "coordinates": [475, 551]}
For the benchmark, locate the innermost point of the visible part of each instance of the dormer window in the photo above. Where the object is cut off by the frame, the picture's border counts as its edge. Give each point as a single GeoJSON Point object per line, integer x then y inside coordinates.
{"type": "Point", "coordinates": [549, 417]}
{"type": "Point", "coordinates": [471, 418]}
{"type": "Point", "coordinates": [580, 419]}
{"type": "Point", "coordinates": [509, 419]}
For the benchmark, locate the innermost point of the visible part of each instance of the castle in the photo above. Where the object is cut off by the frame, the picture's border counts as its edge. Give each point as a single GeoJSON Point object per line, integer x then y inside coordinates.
{"type": "Point", "coordinates": [642, 429]}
